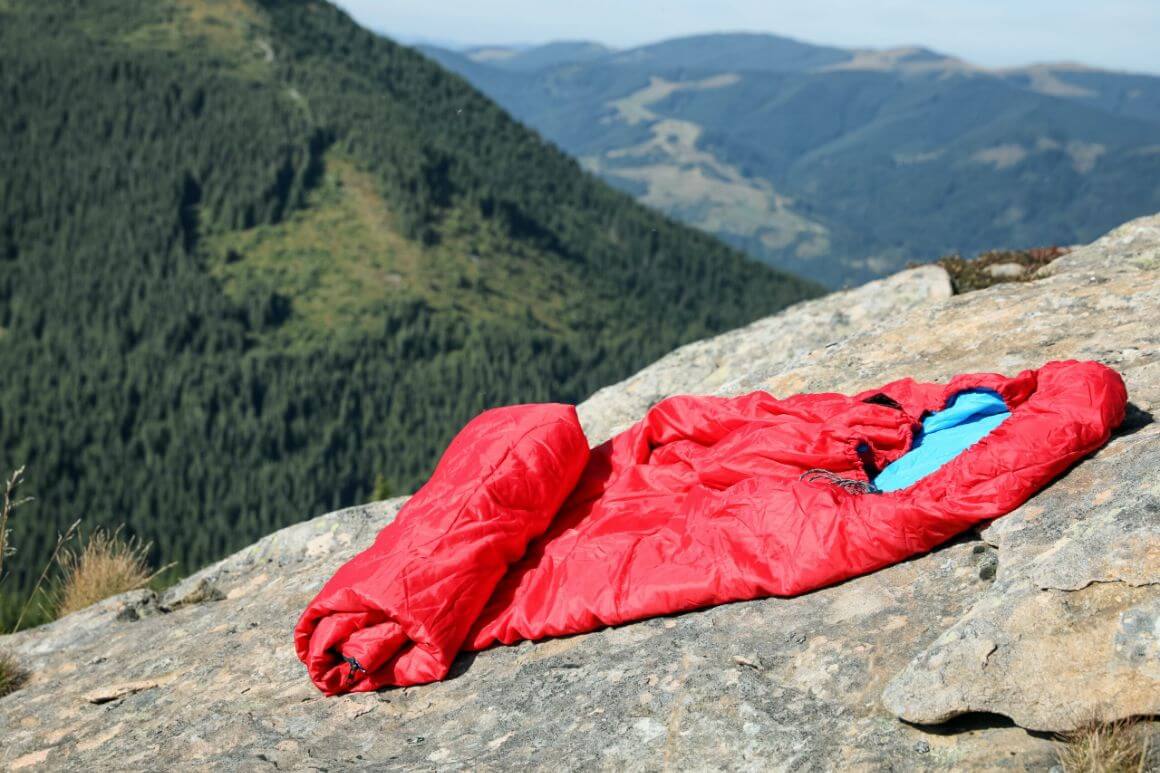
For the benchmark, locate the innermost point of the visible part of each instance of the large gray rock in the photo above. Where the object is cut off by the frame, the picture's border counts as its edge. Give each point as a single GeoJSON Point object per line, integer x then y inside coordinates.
{"type": "Point", "coordinates": [1049, 617]}
{"type": "Point", "coordinates": [1069, 631]}
{"type": "Point", "coordinates": [704, 366]}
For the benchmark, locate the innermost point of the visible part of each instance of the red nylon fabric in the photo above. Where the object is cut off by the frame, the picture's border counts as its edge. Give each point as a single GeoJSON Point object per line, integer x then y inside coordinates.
{"type": "Point", "coordinates": [523, 533]}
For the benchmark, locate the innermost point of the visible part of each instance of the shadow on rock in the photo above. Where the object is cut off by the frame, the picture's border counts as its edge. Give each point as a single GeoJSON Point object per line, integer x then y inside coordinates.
{"type": "Point", "coordinates": [1135, 419]}
{"type": "Point", "coordinates": [973, 721]}
{"type": "Point", "coordinates": [462, 663]}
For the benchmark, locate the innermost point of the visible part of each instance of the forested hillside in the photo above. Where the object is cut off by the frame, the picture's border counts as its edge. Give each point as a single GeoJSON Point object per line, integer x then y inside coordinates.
{"type": "Point", "coordinates": [253, 257]}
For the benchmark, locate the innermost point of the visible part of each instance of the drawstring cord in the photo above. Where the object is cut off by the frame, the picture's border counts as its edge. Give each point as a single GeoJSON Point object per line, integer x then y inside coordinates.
{"type": "Point", "coordinates": [355, 667]}
{"type": "Point", "coordinates": [846, 484]}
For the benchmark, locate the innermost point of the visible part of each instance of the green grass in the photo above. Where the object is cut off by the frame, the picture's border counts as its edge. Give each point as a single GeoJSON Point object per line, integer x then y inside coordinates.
{"type": "Point", "coordinates": [342, 258]}
{"type": "Point", "coordinates": [233, 31]}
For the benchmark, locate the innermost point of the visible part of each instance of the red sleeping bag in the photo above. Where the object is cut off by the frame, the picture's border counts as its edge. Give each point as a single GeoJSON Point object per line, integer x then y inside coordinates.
{"type": "Point", "coordinates": [523, 533]}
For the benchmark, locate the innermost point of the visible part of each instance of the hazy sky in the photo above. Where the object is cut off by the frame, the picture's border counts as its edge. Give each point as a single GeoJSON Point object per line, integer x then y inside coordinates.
{"type": "Point", "coordinates": [1117, 34]}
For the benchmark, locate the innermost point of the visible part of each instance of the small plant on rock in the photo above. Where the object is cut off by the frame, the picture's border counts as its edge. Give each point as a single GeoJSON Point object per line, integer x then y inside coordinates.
{"type": "Point", "coordinates": [108, 564]}
{"type": "Point", "coordinates": [11, 502]}
{"type": "Point", "coordinates": [1106, 747]}
{"type": "Point", "coordinates": [970, 274]}
{"type": "Point", "coordinates": [12, 675]}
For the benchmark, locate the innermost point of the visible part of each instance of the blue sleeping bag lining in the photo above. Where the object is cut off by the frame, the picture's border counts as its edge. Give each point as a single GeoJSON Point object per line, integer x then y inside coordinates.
{"type": "Point", "coordinates": [967, 419]}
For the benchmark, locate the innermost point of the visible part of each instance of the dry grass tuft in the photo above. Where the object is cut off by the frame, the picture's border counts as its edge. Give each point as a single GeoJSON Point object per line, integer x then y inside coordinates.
{"type": "Point", "coordinates": [8, 506]}
{"type": "Point", "coordinates": [108, 564]}
{"type": "Point", "coordinates": [970, 274]}
{"type": "Point", "coordinates": [1106, 747]}
{"type": "Point", "coordinates": [12, 676]}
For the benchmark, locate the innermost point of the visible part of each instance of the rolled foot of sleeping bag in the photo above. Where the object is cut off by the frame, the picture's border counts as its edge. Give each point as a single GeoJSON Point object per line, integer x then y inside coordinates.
{"type": "Point", "coordinates": [398, 613]}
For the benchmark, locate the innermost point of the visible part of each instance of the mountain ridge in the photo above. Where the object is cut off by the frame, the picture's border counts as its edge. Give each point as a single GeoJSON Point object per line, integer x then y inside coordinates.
{"type": "Point", "coordinates": [843, 165]}
{"type": "Point", "coordinates": [849, 52]}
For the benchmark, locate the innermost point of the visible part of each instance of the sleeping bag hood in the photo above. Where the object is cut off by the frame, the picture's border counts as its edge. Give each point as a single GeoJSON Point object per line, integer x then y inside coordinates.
{"type": "Point", "coordinates": [523, 532]}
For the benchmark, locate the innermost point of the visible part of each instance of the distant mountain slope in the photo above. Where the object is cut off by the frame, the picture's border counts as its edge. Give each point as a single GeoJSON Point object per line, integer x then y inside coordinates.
{"type": "Point", "coordinates": [845, 165]}
{"type": "Point", "coordinates": [731, 52]}
{"type": "Point", "coordinates": [1127, 94]}
{"type": "Point", "coordinates": [537, 57]}
{"type": "Point", "coordinates": [254, 256]}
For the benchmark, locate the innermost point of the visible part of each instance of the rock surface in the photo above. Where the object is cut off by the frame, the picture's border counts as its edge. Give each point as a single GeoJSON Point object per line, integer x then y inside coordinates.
{"type": "Point", "coordinates": [1049, 617]}
{"type": "Point", "coordinates": [1005, 270]}
{"type": "Point", "coordinates": [705, 366]}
